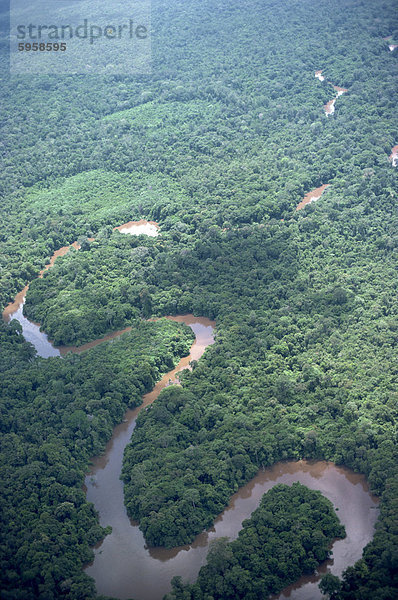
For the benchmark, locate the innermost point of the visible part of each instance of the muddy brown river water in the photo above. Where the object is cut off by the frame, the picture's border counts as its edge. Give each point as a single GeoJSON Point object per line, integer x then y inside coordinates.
{"type": "Point", "coordinates": [31, 331]}
{"type": "Point", "coordinates": [330, 106]}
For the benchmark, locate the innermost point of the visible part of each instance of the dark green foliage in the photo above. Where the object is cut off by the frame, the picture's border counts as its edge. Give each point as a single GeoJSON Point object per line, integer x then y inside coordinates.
{"type": "Point", "coordinates": [122, 278]}
{"type": "Point", "coordinates": [287, 535]}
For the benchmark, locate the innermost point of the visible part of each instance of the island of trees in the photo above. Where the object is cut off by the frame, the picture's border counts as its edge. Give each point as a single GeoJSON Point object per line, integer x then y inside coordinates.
{"type": "Point", "coordinates": [287, 535]}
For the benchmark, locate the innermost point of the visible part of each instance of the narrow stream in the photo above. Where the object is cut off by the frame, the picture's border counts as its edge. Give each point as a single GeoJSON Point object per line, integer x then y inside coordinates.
{"type": "Point", "coordinates": [30, 330]}
{"type": "Point", "coordinates": [330, 106]}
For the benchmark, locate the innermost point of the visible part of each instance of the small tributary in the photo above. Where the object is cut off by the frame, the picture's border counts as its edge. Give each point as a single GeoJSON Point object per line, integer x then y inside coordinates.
{"type": "Point", "coordinates": [330, 106]}
{"type": "Point", "coordinates": [30, 330]}
{"type": "Point", "coordinates": [312, 196]}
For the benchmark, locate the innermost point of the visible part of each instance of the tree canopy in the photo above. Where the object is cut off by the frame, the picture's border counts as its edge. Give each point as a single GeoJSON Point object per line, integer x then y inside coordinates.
{"type": "Point", "coordinates": [218, 145]}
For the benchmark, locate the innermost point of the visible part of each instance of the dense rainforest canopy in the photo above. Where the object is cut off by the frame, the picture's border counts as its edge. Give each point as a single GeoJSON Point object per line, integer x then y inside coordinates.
{"type": "Point", "coordinates": [218, 145]}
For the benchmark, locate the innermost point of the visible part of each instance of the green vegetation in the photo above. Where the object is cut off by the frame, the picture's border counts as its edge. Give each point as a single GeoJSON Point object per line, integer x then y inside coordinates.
{"type": "Point", "coordinates": [218, 145]}
{"type": "Point", "coordinates": [74, 208]}
{"type": "Point", "coordinates": [55, 415]}
{"type": "Point", "coordinates": [174, 115]}
{"type": "Point", "coordinates": [99, 299]}
{"type": "Point", "coordinates": [287, 535]}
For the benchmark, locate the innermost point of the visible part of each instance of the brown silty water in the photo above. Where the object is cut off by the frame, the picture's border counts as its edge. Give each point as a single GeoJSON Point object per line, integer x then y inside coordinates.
{"type": "Point", "coordinates": [312, 196]}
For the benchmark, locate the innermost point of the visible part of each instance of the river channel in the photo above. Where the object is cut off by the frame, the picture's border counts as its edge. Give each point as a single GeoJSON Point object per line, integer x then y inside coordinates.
{"type": "Point", "coordinates": [30, 330]}
{"type": "Point", "coordinates": [329, 107]}
{"type": "Point", "coordinates": [312, 196]}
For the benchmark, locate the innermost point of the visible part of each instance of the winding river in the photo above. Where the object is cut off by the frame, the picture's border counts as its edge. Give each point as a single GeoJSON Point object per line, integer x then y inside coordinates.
{"type": "Point", "coordinates": [124, 566]}
{"type": "Point", "coordinates": [329, 106]}
{"type": "Point", "coordinates": [30, 330]}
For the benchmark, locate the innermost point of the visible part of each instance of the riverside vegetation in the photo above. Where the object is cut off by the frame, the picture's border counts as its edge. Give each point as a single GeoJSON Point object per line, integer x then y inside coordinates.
{"type": "Point", "coordinates": [288, 534]}
{"type": "Point", "coordinates": [219, 145]}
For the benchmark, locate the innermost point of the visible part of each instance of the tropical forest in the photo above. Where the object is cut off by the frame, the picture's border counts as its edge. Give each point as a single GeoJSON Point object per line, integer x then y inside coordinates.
{"type": "Point", "coordinates": [199, 296]}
